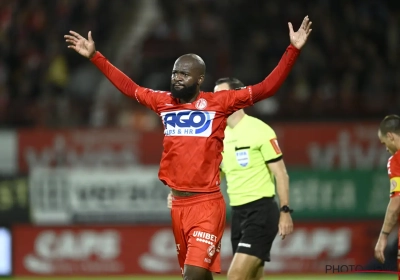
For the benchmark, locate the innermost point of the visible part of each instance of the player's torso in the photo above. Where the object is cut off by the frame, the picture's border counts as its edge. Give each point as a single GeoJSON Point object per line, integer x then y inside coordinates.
{"type": "Point", "coordinates": [393, 166]}
{"type": "Point", "coordinates": [193, 135]}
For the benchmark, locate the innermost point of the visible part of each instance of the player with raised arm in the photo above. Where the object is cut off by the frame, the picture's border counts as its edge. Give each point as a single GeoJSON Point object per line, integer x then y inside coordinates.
{"type": "Point", "coordinates": [194, 124]}
{"type": "Point", "coordinates": [389, 135]}
{"type": "Point", "coordinates": [252, 164]}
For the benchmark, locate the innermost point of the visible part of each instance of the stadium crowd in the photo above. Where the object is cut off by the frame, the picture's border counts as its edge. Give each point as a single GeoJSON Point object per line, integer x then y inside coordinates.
{"type": "Point", "coordinates": [347, 70]}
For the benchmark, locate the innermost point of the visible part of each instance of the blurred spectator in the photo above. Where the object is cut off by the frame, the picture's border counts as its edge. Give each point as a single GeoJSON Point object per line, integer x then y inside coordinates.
{"type": "Point", "coordinates": [35, 65]}
{"type": "Point", "coordinates": [346, 71]}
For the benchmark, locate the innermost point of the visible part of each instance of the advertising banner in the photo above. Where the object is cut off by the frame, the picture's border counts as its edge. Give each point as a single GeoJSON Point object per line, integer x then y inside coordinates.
{"type": "Point", "coordinates": [151, 250]}
{"type": "Point", "coordinates": [351, 145]}
{"type": "Point", "coordinates": [14, 200]}
{"type": "Point", "coordinates": [64, 196]}
{"type": "Point", "coordinates": [8, 152]}
{"type": "Point", "coordinates": [5, 252]}
{"type": "Point", "coordinates": [317, 145]}
{"type": "Point", "coordinates": [347, 145]}
{"type": "Point", "coordinates": [76, 148]}
{"type": "Point", "coordinates": [339, 194]}
{"type": "Point", "coordinates": [322, 145]}
{"type": "Point", "coordinates": [336, 194]}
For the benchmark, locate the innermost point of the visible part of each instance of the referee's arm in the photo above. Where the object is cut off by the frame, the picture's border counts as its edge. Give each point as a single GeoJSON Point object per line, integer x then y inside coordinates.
{"type": "Point", "coordinates": [278, 168]}
{"type": "Point", "coordinates": [273, 157]}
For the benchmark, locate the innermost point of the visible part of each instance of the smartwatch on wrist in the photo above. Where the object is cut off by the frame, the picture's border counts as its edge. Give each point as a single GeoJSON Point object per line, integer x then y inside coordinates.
{"type": "Point", "coordinates": [286, 209]}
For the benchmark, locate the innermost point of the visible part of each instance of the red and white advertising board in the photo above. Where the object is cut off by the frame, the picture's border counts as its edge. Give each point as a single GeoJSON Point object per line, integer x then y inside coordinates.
{"type": "Point", "coordinates": [129, 250]}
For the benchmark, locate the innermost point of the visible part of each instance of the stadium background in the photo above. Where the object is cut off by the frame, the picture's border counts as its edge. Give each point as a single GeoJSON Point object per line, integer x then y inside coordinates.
{"type": "Point", "coordinates": [79, 193]}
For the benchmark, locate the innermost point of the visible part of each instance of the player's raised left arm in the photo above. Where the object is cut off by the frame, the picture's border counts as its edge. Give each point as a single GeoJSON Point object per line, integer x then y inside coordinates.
{"type": "Point", "coordinates": [391, 218]}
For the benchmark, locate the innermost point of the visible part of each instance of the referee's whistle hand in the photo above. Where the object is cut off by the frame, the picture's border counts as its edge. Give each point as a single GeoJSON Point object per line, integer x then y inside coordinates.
{"type": "Point", "coordinates": [285, 225]}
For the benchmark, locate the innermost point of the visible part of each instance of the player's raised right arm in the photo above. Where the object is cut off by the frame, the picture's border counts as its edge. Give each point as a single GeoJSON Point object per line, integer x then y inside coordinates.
{"type": "Point", "coordinates": [86, 48]}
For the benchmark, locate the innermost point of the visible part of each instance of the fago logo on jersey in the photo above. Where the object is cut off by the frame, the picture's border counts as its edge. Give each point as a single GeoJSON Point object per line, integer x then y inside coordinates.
{"type": "Point", "coordinates": [188, 123]}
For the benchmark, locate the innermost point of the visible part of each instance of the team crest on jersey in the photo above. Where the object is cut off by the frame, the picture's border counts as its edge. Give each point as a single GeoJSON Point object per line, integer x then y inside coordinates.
{"type": "Point", "coordinates": [242, 157]}
{"type": "Point", "coordinates": [201, 104]}
{"type": "Point", "coordinates": [188, 123]}
{"type": "Point", "coordinates": [211, 251]}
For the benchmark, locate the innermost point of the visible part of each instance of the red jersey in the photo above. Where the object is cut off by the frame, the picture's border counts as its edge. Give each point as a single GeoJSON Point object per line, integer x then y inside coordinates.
{"type": "Point", "coordinates": [194, 132]}
{"type": "Point", "coordinates": [393, 167]}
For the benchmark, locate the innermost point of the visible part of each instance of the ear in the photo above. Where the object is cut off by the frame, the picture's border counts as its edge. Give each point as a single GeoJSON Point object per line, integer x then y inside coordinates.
{"type": "Point", "coordinates": [200, 80]}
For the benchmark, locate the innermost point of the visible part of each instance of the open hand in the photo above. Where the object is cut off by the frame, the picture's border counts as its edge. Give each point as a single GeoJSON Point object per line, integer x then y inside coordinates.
{"type": "Point", "coordinates": [285, 225]}
{"type": "Point", "coordinates": [299, 38]}
{"type": "Point", "coordinates": [84, 47]}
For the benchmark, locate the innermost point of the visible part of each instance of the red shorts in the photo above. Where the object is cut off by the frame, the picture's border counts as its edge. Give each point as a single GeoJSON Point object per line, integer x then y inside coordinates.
{"type": "Point", "coordinates": [198, 223]}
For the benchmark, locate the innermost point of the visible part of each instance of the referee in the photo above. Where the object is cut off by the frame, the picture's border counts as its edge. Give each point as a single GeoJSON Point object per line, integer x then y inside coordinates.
{"type": "Point", "coordinates": [252, 163]}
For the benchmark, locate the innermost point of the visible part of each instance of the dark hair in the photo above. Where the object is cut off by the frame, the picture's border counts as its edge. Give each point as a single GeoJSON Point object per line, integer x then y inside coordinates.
{"type": "Point", "coordinates": [232, 82]}
{"type": "Point", "coordinates": [390, 123]}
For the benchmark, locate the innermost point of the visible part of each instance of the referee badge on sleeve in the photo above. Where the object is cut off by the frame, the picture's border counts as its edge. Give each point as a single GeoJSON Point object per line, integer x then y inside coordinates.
{"type": "Point", "coordinates": [275, 145]}
{"type": "Point", "coordinates": [242, 157]}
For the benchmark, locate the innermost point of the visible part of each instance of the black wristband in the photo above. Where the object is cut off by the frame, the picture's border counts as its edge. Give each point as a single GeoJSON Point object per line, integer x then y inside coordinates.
{"type": "Point", "coordinates": [286, 209]}
{"type": "Point", "coordinates": [385, 233]}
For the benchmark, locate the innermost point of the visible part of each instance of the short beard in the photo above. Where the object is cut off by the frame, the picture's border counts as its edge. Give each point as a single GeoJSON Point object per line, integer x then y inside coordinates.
{"type": "Point", "coordinates": [185, 93]}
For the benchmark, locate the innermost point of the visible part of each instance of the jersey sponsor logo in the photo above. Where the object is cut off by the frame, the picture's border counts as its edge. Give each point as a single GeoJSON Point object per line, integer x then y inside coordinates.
{"type": "Point", "coordinates": [242, 157]}
{"type": "Point", "coordinates": [188, 123]}
{"type": "Point", "coordinates": [275, 145]}
{"type": "Point", "coordinates": [205, 235]}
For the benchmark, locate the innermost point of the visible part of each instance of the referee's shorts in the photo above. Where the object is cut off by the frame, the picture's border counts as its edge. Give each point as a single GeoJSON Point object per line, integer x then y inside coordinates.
{"type": "Point", "coordinates": [254, 227]}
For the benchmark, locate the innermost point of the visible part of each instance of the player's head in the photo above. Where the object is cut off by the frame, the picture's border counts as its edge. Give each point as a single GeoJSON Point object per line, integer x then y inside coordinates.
{"type": "Point", "coordinates": [389, 133]}
{"type": "Point", "coordinates": [187, 76]}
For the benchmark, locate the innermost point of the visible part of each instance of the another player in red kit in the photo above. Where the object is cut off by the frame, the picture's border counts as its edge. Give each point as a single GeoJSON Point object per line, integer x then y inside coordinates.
{"type": "Point", "coordinates": [194, 124]}
{"type": "Point", "coordinates": [389, 135]}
